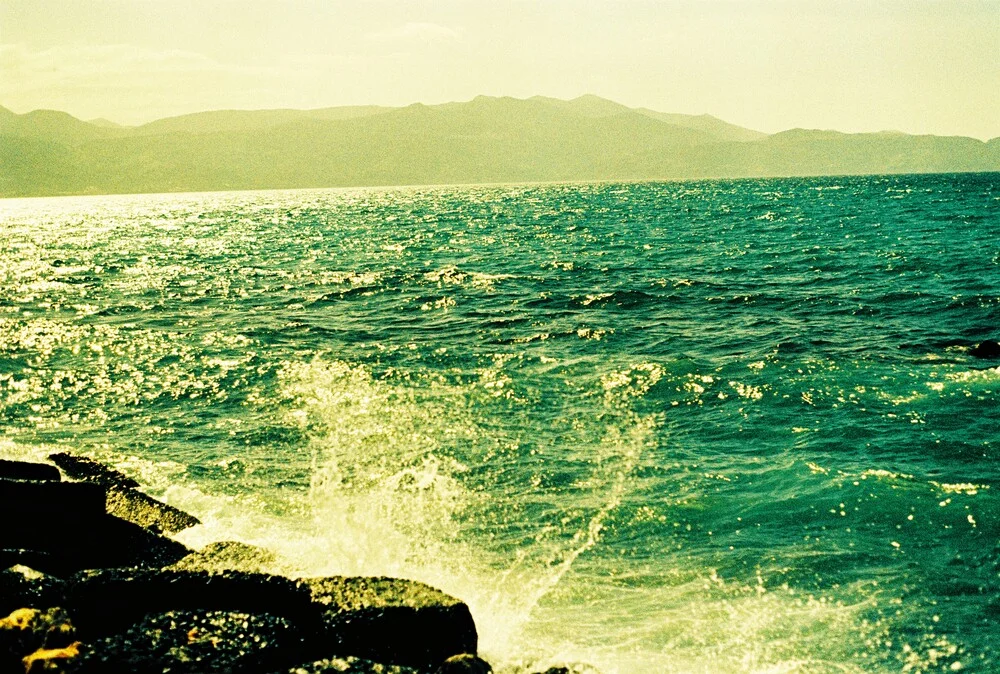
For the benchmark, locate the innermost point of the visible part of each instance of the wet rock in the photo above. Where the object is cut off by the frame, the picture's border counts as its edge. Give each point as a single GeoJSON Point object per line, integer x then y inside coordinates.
{"type": "Point", "coordinates": [34, 559]}
{"type": "Point", "coordinates": [988, 349]}
{"type": "Point", "coordinates": [52, 660]}
{"type": "Point", "coordinates": [27, 630]}
{"type": "Point", "coordinates": [49, 502]}
{"type": "Point", "coordinates": [107, 601]}
{"type": "Point", "coordinates": [62, 527]}
{"type": "Point", "coordinates": [64, 543]}
{"type": "Point", "coordinates": [393, 621]}
{"type": "Point", "coordinates": [578, 668]}
{"type": "Point", "coordinates": [195, 642]}
{"type": "Point", "coordinates": [229, 556]}
{"type": "Point", "coordinates": [350, 665]}
{"type": "Point", "coordinates": [109, 542]}
{"type": "Point", "coordinates": [124, 500]}
{"type": "Point", "coordinates": [24, 470]}
{"type": "Point", "coordinates": [23, 587]}
{"type": "Point", "coordinates": [16, 637]}
{"type": "Point", "coordinates": [134, 506]}
{"type": "Point", "coordinates": [146, 603]}
{"type": "Point", "coordinates": [53, 518]}
{"type": "Point", "coordinates": [120, 543]}
{"type": "Point", "coordinates": [466, 663]}
{"type": "Point", "coordinates": [82, 468]}
{"type": "Point", "coordinates": [383, 620]}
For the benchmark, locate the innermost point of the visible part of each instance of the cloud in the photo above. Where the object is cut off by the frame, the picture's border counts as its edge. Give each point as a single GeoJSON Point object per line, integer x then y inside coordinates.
{"type": "Point", "coordinates": [416, 33]}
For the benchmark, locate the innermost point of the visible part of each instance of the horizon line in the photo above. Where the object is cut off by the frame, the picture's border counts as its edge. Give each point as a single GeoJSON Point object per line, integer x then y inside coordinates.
{"type": "Point", "coordinates": [389, 108]}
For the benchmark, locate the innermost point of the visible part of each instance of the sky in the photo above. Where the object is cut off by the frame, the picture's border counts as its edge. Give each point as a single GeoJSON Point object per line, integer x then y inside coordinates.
{"type": "Point", "coordinates": [919, 66]}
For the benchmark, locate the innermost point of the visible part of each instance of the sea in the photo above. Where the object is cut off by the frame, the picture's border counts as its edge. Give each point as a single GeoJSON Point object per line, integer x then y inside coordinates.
{"type": "Point", "coordinates": [713, 426]}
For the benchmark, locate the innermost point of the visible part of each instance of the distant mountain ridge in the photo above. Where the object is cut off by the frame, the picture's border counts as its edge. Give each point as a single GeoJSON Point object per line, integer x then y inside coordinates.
{"type": "Point", "coordinates": [483, 140]}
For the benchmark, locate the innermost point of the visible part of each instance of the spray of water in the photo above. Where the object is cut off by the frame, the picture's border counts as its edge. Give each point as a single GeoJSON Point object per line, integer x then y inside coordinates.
{"type": "Point", "coordinates": [389, 497]}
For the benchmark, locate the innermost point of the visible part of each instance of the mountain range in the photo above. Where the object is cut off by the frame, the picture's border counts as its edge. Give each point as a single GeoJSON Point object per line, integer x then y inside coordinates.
{"type": "Point", "coordinates": [486, 140]}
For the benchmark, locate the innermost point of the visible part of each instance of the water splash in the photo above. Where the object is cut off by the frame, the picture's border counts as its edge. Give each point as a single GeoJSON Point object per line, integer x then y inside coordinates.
{"type": "Point", "coordinates": [384, 493]}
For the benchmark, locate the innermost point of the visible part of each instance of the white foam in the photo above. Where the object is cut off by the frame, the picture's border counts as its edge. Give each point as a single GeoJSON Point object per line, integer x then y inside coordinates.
{"type": "Point", "coordinates": [388, 497]}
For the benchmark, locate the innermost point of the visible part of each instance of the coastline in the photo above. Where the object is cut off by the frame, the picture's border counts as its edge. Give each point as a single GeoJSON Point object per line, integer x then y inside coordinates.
{"type": "Point", "coordinates": [86, 589]}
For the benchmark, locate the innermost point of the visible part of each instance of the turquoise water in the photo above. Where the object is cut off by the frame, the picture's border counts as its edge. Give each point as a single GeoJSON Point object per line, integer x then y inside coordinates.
{"type": "Point", "coordinates": [721, 426]}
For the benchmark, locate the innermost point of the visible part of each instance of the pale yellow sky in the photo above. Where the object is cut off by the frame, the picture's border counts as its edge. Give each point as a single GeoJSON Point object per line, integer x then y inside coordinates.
{"type": "Point", "coordinates": [920, 66]}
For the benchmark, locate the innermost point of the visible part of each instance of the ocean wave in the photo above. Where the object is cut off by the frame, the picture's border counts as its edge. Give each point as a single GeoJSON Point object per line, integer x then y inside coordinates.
{"type": "Point", "coordinates": [626, 299]}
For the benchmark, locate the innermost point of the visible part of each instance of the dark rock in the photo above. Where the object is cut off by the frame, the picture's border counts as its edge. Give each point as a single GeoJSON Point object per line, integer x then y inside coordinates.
{"type": "Point", "coordinates": [989, 349]}
{"type": "Point", "coordinates": [107, 601]}
{"type": "Point", "coordinates": [466, 663]}
{"type": "Point", "coordinates": [195, 642]}
{"type": "Point", "coordinates": [23, 587]}
{"type": "Point", "coordinates": [134, 506]}
{"type": "Point", "coordinates": [229, 556]}
{"type": "Point", "coordinates": [384, 620]}
{"type": "Point", "coordinates": [350, 665]}
{"type": "Point", "coordinates": [63, 544]}
{"type": "Point", "coordinates": [27, 630]}
{"type": "Point", "coordinates": [119, 543]}
{"type": "Point", "coordinates": [36, 559]}
{"type": "Point", "coordinates": [201, 615]}
{"type": "Point", "coordinates": [53, 519]}
{"type": "Point", "coordinates": [62, 527]}
{"type": "Point", "coordinates": [54, 502]}
{"type": "Point", "coordinates": [23, 470]}
{"type": "Point", "coordinates": [124, 500]}
{"type": "Point", "coordinates": [51, 660]}
{"type": "Point", "coordinates": [393, 621]}
{"type": "Point", "coordinates": [82, 468]}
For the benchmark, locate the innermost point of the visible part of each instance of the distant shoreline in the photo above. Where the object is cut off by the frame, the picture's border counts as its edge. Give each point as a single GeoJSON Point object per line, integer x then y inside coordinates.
{"type": "Point", "coordinates": [484, 141]}
{"type": "Point", "coordinates": [511, 184]}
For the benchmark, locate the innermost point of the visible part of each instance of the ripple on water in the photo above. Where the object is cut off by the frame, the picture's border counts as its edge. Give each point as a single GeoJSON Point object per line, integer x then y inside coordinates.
{"type": "Point", "coordinates": [694, 427]}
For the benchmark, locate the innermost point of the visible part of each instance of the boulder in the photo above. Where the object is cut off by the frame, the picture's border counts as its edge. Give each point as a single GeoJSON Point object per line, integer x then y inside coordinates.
{"type": "Point", "coordinates": [34, 559]}
{"type": "Point", "coordinates": [143, 602]}
{"type": "Point", "coordinates": [45, 562]}
{"type": "Point", "coordinates": [62, 527]}
{"type": "Point", "coordinates": [23, 587]}
{"type": "Point", "coordinates": [134, 506]}
{"type": "Point", "coordinates": [124, 500]}
{"type": "Point", "coordinates": [988, 349]}
{"type": "Point", "coordinates": [82, 468]}
{"type": "Point", "coordinates": [27, 630]}
{"type": "Point", "coordinates": [53, 520]}
{"type": "Point", "coordinates": [384, 620]}
{"type": "Point", "coordinates": [389, 620]}
{"type": "Point", "coordinates": [229, 556]}
{"type": "Point", "coordinates": [115, 542]}
{"type": "Point", "coordinates": [51, 660]}
{"type": "Point", "coordinates": [40, 502]}
{"type": "Point", "coordinates": [63, 543]}
{"type": "Point", "coordinates": [195, 642]}
{"type": "Point", "coordinates": [107, 601]}
{"type": "Point", "coordinates": [350, 665]}
{"type": "Point", "coordinates": [466, 663]}
{"type": "Point", "coordinates": [24, 470]}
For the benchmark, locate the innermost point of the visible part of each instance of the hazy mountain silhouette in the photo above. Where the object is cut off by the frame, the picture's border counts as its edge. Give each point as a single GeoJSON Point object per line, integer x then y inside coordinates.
{"type": "Point", "coordinates": [483, 140]}
{"type": "Point", "coordinates": [707, 123]}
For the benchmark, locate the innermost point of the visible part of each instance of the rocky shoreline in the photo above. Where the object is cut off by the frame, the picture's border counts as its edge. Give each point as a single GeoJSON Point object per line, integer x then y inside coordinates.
{"type": "Point", "coordinates": [92, 584]}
